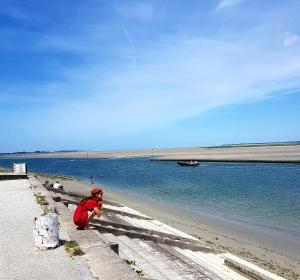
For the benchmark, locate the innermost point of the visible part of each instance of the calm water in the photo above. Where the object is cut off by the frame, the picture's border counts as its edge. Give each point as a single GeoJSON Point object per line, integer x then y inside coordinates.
{"type": "Point", "coordinates": [265, 195]}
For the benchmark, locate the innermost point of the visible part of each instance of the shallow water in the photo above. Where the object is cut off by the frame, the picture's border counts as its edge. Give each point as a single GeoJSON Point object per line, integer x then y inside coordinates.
{"type": "Point", "coordinates": [258, 194]}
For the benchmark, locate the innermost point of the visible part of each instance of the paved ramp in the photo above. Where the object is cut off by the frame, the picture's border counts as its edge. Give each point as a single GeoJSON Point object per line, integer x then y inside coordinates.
{"type": "Point", "coordinates": [18, 258]}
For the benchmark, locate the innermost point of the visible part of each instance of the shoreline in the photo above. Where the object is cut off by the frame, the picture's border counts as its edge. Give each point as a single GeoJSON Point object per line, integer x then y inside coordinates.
{"type": "Point", "coordinates": [214, 223]}
{"type": "Point", "coordinates": [260, 248]}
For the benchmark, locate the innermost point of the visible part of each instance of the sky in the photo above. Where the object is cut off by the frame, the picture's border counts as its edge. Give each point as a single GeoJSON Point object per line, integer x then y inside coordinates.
{"type": "Point", "coordinates": [102, 75]}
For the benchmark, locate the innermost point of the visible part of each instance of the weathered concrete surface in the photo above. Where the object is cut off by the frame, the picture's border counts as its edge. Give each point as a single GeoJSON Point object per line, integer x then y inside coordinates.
{"type": "Point", "coordinates": [172, 260]}
{"type": "Point", "coordinates": [152, 248]}
{"type": "Point", "coordinates": [103, 262]}
{"type": "Point", "coordinates": [149, 257]}
{"type": "Point", "coordinates": [18, 257]}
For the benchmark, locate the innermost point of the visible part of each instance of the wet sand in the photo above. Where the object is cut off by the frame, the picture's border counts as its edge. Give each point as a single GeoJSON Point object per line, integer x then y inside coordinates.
{"type": "Point", "coordinates": [278, 254]}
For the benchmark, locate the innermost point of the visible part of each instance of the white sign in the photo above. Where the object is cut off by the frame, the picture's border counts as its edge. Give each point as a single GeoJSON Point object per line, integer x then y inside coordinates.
{"type": "Point", "coordinates": [20, 168]}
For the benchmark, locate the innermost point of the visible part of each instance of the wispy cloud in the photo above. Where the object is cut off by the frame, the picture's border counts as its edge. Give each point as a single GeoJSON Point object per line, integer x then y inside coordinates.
{"type": "Point", "coordinates": [290, 39]}
{"type": "Point", "coordinates": [115, 81]}
{"type": "Point", "coordinates": [136, 10]}
{"type": "Point", "coordinates": [14, 11]}
{"type": "Point", "coordinates": [228, 3]}
{"type": "Point", "coordinates": [177, 82]}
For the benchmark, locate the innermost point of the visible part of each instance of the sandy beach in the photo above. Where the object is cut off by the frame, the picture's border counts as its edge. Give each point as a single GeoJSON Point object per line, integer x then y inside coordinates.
{"type": "Point", "coordinates": [280, 256]}
{"type": "Point", "coordinates": [255, 153]}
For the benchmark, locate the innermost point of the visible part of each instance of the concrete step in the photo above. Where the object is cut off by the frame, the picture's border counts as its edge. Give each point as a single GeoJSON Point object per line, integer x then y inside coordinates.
{"type": "Point", "coordinates": [126, 253]}
{"type": "Point", "coordinates": [156, 239]}
{"type": "Point", "coordinates": [156, 226]}
{"type": "Point", "coordinates": [250, 269]}
{"type": "Point", "coordinates": [129, 249]}
{"type": "Point", "coordinates": [172, 264]}
{"type": "Point", "coordinates": [125, 225]}
{"type": "Point", "coordinates": [212, 264]}
{"type": "Point", "coordinates": [125, 209]}
{"type": "Point", "coordinates": [152, 263]}
{"type": "Point", "coordinates": [173, 230]}
{"type": "Point", "coordinates": [155, 263]}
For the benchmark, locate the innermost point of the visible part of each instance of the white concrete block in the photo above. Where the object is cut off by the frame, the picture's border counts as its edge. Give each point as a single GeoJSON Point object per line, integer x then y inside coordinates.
{"type": "Point", "coordinates": [45, 231]}
{"type": "Point", "coordinates": [250, 268]}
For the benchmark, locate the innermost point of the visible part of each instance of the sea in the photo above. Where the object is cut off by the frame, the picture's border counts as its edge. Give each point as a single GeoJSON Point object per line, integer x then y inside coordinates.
{"type": "Point", "coordinates": [265, 195]}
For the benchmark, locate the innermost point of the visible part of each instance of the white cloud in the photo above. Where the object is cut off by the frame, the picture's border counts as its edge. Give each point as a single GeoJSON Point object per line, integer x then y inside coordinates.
{"type": "Point", "coordinates": [228, 3]}
{"type": "Point", "coordinates": [175, 82]}
{"type": "Point", "coordinates": [139, 86]}
{"type": "Point", "coordinates": [290, 39]}
{"type": "Point", "coordinates": [14, 12]}
{"type": "Point", "coordinates": [137, 10]}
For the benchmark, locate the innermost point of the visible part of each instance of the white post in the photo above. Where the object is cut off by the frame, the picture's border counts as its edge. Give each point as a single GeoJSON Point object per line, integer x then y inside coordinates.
{"type": "Point", "coordinates": [45, 231]}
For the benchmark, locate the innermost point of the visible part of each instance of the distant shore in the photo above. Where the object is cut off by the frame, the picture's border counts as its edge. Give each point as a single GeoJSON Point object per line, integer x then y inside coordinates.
{"type": "Point", "coordinates": [229, 160]}
{"type": "Point", "coordinates": [279, 153]}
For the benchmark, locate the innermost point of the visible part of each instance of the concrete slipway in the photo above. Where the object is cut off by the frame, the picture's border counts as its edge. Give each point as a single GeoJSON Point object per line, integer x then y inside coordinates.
{"type": "Point", "coordinates": [157, 250]}
{"type": "Point", "coordinates": [152, 250]}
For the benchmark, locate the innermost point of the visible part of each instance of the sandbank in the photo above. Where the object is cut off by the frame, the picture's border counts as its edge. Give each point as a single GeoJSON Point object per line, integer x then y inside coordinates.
{"type": "Point", "coordinates": [251, 153]}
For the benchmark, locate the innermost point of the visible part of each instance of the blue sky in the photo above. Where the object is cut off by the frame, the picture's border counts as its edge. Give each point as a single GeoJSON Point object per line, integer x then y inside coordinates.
{"type": "Point", "coordinates": [132, 74]}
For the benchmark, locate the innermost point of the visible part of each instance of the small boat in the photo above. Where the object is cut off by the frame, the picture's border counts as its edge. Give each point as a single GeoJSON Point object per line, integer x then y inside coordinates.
{"type": "Point", "coordinates": [188, 163]}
